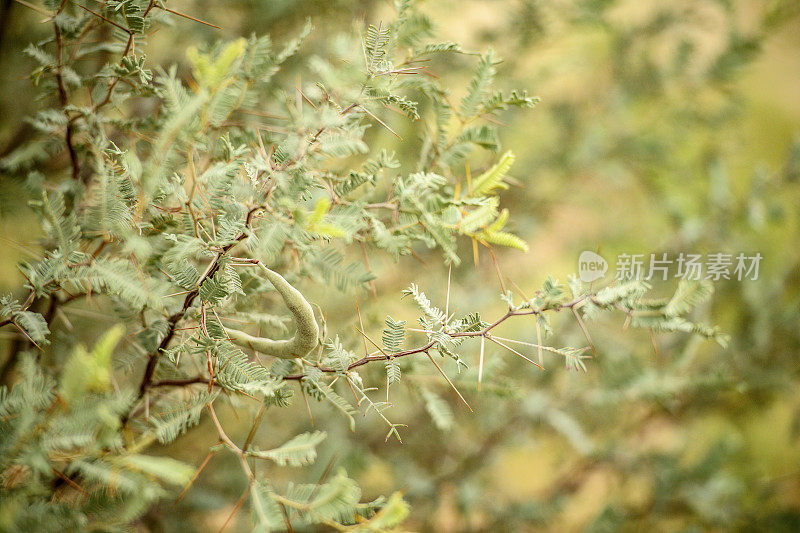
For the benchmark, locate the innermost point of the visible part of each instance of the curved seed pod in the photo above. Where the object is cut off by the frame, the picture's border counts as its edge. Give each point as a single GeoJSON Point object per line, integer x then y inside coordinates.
{"type": "Point", "coordinates": [304, 340]}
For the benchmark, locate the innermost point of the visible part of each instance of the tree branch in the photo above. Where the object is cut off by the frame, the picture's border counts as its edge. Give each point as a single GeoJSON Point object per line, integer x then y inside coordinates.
{"type": "Point", "coordinates": [383, 357]}
{"type": "Point", "coordinates": [64, 100]}
{"type": "Point", "coordinates": [172, 322]}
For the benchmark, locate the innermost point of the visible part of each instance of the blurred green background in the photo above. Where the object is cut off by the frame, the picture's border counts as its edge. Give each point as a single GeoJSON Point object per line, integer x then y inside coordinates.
{"type": "Point", "coordinates": [663, 127]}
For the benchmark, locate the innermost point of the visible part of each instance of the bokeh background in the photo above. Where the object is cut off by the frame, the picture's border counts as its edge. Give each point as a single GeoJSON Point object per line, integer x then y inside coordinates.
{"type": "Point", "coordinates": [663, 127]}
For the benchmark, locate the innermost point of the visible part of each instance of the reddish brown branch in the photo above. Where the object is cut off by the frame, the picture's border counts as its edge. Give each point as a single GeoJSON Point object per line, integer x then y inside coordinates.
{"type": "Point", "coordinates": [383, 357]}
{"type": "Point", "coordinates": [64, 101]}
{"type": "Point", "coordinates": [180, 382]}
{"type": "Point", "coordinates": [172, 322]}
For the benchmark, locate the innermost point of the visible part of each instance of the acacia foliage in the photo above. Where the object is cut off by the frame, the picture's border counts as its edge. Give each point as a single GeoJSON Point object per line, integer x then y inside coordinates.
{"type": "Point", "coordinates": [160, 196]}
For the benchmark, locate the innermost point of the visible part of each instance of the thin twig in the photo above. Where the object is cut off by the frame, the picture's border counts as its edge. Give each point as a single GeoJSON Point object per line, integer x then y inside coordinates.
{"type": "Point", "coordinates": [123, 28]}
{"type": "Point", "coordinates": [236, 508]}
{"type": "Point", "coordinates": [494, 340]}
{"type": "Point", "coordinates": [448, 380]}
{"type": "Point", "coordinates": [195, 475]}
{"type": "Point", "coordinates": [480, 361]}
{"type": "Point", "coordinates": [184, 15]}
{"type": "Point", "coordinates": [33, 7]}
{"type": "Point", "coordinates": [382, 123]}
{"type": "Point", "coordinates": [585, 331]}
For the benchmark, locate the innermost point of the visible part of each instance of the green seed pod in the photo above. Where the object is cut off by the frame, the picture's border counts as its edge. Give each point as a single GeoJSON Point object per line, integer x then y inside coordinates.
{"type": "Point", "coordinates": [305, 338]}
